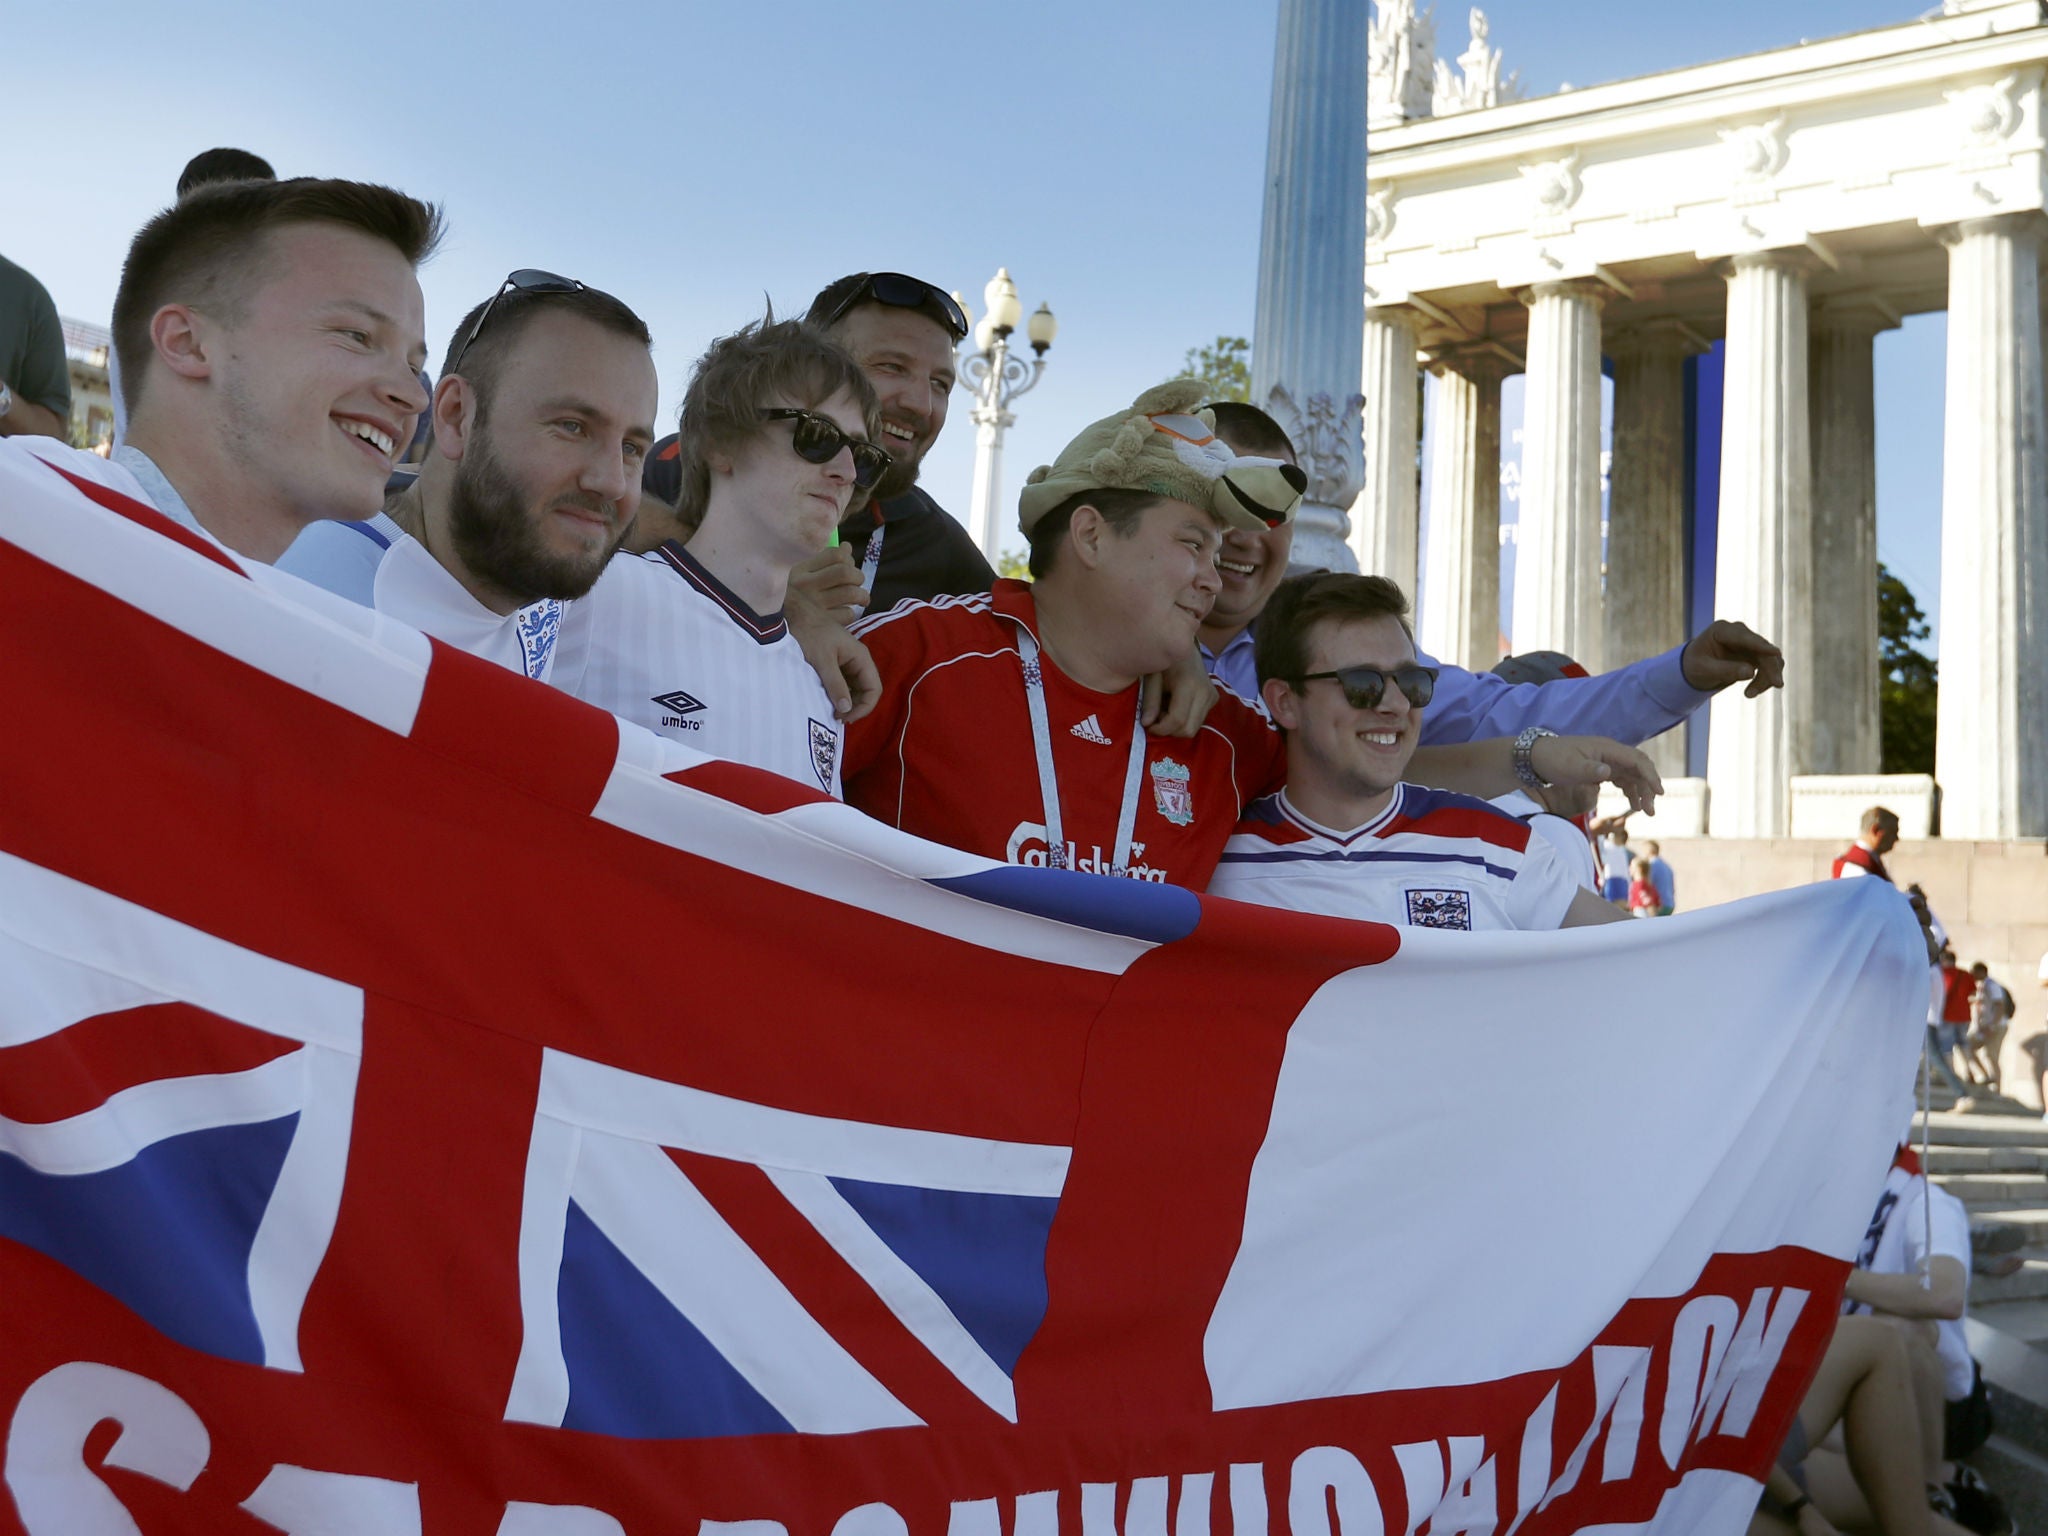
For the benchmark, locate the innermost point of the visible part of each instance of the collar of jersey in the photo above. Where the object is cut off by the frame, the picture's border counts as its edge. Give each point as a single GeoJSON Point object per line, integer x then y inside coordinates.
{"type": "Point", "coordinates": [764, 627]}
{"type": "Point", "coordinates": [1379, 823]}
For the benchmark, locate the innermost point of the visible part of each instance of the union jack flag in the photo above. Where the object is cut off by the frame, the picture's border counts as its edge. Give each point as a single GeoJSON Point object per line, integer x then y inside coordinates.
{"type": "Point", "coordinates": [424, 1097]}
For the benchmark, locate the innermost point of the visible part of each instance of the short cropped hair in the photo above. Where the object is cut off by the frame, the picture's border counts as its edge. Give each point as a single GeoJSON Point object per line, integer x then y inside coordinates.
{"type": "Point", "coordinates": [208, 250]}
{"type": "Point", "coordinates": [1878, 816]}
{"type": "Point", "coordinates": [1280, 645]}
{"type": "Point", "coordinates": [211, 165]}
{"type": "Point", "coordinates": [1251, 431]}
{"type": "Point", "coordinates": [740, 377]}
{"type": "Point", "coordinates": [485, 359]}
{"type": "Point", "coordinates": [1120, 509]}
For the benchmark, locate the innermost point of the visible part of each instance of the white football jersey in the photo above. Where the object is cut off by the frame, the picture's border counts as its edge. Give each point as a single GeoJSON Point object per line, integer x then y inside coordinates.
{"type": "Point", "coordinates": [1431, 859]}
{"type": "Point", "coordinates": [413, 587]}
{"type": "Point", "coordinates": [663, 643]}
{"type": "Point", "coordinates": [1897, 1243]}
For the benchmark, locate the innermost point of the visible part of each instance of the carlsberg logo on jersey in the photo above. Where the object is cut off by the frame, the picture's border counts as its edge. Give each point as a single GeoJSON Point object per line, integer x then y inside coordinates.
{"type": "Point", "coordinates": [1028, 846]}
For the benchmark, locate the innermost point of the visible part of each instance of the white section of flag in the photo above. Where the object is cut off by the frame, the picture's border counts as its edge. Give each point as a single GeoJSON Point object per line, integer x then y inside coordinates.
{"type": "Point", "coordinates": [1531, 1204]}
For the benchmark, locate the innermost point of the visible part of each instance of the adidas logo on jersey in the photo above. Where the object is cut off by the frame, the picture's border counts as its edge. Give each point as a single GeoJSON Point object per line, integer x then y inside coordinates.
{"type": "Point", "coordinates": [1091, 730]}
{"type": "Point", "coordinates": [675, 706]}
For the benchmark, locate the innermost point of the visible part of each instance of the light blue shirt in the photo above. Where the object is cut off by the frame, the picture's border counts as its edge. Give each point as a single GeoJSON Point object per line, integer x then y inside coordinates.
{"type": "Point", "coordinates": [1630, 704]}
{"type": "Point", "coordinates": [342, 557]}
{"type": "Point", "coordinates": [160, 492]}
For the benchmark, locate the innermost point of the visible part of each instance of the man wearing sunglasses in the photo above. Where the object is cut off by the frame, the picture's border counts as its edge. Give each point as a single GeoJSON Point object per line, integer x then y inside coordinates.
{"type": "Point", "coordinates": [1347, 836]}
{"type": "Point", "coordinates": [1632, 703]}
{"type": "Point", "coordinates": [541, 419]}
{"type": "Point", "coordinates": [775, 437]}
{"type": "Point", "coordinates": [896, 542]}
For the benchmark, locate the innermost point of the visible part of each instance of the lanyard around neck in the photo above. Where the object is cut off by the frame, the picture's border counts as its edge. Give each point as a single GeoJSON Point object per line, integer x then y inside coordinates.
{"type": "Point", "coordinates": [1048, 780]}
{"type": "Point", "coordinates": [871, 561]}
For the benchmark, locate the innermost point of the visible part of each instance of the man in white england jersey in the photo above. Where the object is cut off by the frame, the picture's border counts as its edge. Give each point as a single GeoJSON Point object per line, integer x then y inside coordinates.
{"type": "Point", "coordinates": [542, 419]}
{"type": "Point", "coordinates": [1346, 836]}
{"type": "Point", "coordinates": [691, 642]}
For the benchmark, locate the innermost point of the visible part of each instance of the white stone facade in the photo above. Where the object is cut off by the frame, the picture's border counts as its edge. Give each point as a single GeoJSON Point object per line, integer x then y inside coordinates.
{"type": "Point", "coordinates": [1792, 203]}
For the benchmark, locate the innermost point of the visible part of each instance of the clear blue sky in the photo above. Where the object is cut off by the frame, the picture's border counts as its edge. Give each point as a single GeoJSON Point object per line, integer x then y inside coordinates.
{"type": "Point", "coordinates": [694, 156]}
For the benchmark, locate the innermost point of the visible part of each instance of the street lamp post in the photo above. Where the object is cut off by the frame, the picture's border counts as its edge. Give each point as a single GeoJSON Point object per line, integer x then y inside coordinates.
{"type": "Point", "coordinates": [995, 377]}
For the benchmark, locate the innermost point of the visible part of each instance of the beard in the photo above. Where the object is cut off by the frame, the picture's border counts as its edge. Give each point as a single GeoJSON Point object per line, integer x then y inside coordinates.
{"type": "Point", "coordinates": [899, 477]}
{"type": "Point", "coordinates": [496, 532]}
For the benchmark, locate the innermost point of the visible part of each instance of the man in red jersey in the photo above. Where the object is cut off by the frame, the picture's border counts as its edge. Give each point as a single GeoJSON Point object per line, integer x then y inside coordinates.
{"type": "Point", "coordinates": [1878, 834]}
{"type": "Point", "coordinates": [1009, 722]}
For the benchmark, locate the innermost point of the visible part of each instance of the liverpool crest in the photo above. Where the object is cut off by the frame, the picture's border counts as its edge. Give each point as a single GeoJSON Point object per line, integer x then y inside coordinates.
{"type": "Point", "coordinates": [1171, 796]}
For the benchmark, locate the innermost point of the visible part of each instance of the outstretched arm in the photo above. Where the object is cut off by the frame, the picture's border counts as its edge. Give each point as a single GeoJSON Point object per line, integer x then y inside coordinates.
{"type": "Point", "coordinates": [1632, 703]}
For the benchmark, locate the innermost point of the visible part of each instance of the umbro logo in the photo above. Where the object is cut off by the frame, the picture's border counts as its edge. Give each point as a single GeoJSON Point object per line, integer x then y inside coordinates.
{"type": "Point", "coordinates": [1091, 730]}
{"type": "Point", "coordinates": [676, 708]}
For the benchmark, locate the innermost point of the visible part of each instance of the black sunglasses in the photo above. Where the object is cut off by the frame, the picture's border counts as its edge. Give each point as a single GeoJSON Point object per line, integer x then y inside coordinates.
{"type": "Point", "coordinates": [900, 290]}
{"type": "Point", "coordinates": [1365, 686]}
{"type": "Point", "coordinates": [818, 439]}
{"type": "Point", "coordinates": [525, 280]}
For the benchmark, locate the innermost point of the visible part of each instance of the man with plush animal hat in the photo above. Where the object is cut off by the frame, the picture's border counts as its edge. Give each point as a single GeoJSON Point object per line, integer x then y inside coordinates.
{"type": "Point", "coordinates": [1009, 722]}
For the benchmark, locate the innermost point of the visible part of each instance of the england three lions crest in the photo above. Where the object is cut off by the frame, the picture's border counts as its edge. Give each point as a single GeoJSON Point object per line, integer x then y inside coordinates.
{"type": "Point", "coordinates": [1171, 795]}
{"type": "Point", "coordinates": [824, 753]}
{"type": "Point", "coordinates": [1440, 909]}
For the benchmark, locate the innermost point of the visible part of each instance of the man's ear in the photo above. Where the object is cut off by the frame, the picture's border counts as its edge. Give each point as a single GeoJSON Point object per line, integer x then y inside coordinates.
{"type": "Point", "coordinates": [183, 340]}
{"type": "Point", "coordinates": [1282, 703]}
{"type": "Point", "coordinates": [1085, 532]}
{"type": "Point", "coordinates": [453, 413]}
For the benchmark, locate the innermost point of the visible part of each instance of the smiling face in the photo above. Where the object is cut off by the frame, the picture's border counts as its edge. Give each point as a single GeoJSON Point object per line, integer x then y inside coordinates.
{"type": "Point", "coordinates": [1251, 566]}
{"type": "Point", "coordinates": [908, 357]}
{"type": "Point", "coordinates": [1157, 581]}
{"type": "Point", "coordinates": [319, 372]}
{"type": "Point", "coordinates": [779, 502]}
{"type": "Point", "coordinates": [1343, 760]}
{"type": "Point", "coordinates": [549, 473]}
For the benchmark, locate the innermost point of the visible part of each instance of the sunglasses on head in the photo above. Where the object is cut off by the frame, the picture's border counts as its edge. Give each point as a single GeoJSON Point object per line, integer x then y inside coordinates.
{"type": "Point", "coordinates": [1364, 687]}
{"type": "Point", "coordinates": [818, 439]}
{"type": "Point", "coordinates": [899, 290]}
{"type": "Point", "coordinates": [525, 280]}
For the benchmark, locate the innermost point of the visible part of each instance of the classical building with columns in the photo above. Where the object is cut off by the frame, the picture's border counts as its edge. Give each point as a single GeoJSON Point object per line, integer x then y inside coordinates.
{"type": "Point", "coordinates": [1726, 241]}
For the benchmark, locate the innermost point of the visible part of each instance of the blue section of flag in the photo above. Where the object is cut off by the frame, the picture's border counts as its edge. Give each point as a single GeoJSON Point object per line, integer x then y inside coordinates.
{"type": "Point", "coordinates": [1137, 909]}
{"type": "Point", "coordinates": [638, 1368]}
{"type": "Point", "coordinates": [983, 1254]}
{"type": "Point", "coordinates": [168, 1232]}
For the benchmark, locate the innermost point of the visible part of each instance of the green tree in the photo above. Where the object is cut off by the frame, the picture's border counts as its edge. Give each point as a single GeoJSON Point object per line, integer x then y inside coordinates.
{"type": "Point", "coordinates": [1015, 564]}
{"type": "Point", "coordinates": [1225, 365]}
{"type": "Point", "coordinates": [1907, 682]}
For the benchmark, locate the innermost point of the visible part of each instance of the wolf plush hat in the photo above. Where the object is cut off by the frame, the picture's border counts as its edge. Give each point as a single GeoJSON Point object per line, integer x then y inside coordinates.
{"type": "Point", "coordinates": [1164, 446]}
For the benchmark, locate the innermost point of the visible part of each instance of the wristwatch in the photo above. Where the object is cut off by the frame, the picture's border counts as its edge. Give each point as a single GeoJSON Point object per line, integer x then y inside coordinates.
{"type": "Point", "coordinates": [6, 399]}
{"type": "Point", "coordinates": [1525, 747]}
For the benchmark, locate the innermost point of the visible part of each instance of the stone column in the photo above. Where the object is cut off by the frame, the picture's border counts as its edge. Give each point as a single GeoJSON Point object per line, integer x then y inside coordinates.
{"type": "Point", "coordinates": [1762, 569]}
{"type": "Point", "coordinates": [1311, 300]}
{"type": "Point", "coordinates": [1459, 618]}
{"type": "Point", "coordinates": [1557, 540]}
{"type": "Point", "coordinates": [1383, 520]}
{"type": "Point", "coordinates": [1991, 730]}
{"type": "Point", "coordinates": [1839, 733]}
{"type": "Point", "coordinates": [1646, 507]}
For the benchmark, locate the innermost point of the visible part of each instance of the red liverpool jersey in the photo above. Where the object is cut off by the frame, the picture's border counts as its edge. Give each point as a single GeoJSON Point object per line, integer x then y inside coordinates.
{"type": "Point", "coordinates": [948, 754]}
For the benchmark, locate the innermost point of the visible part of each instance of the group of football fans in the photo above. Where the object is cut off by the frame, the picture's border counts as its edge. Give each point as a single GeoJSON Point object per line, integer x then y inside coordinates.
{"type": "Point", "coordinates": [1161, 701]}
{"type": "Point", "coordinates": [771, 585]}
